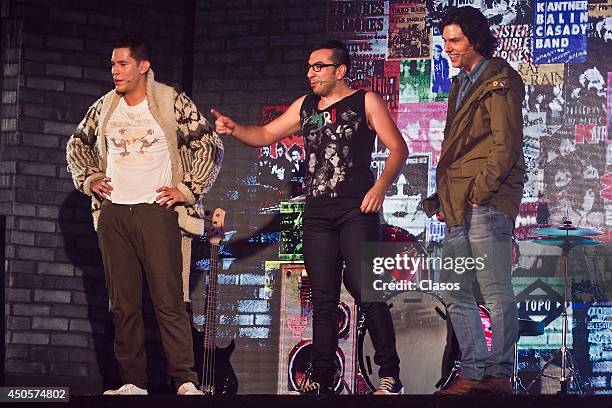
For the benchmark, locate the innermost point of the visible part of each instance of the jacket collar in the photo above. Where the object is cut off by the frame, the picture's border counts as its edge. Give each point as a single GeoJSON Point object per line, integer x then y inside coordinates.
{"type": "Point", "coordinates": [496, 75]}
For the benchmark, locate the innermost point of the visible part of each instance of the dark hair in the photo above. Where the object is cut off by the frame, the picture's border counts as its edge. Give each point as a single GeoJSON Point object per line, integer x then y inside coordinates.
{"type": "Point", "coordinates": [474, 26]}
{"type": "Point", "coordinates": [340, 54]}
{"type": "Point", "coordinates": [139, 48]}
{"type": "Point", "coordinates": [295, 148]}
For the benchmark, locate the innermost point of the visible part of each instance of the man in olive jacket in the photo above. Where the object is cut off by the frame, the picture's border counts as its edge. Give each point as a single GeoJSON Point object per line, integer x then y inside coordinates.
{"type": "Point", "coordinates": [479, 188]}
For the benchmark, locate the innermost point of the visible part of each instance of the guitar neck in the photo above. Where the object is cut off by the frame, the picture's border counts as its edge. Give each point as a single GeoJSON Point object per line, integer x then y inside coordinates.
{"type": "Point", "coordinates": [210, 327]}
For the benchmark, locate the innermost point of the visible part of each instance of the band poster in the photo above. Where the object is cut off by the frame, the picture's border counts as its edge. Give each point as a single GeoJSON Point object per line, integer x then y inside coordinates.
{"type": "Point", "coordinates": [409, 34]}
{"type": "Point", "coordinates": [414, 80]}
{"type": "Point", "coordinates": [402, 205]}
{"type": "Point", "coordinates": [280, 166]}
{"type": "Point", "coordinates": [379, 76]}
{"type": "Point", "coordinates": [362, 25]}
{"type": "Point", "coordinates": [514, 42]}
{"type": "Point", "coordinates": [422, 127]}
{"type": "Point", "coordinates": [544, 102]}
{"type": "Point", "coordinates": [560, 31]}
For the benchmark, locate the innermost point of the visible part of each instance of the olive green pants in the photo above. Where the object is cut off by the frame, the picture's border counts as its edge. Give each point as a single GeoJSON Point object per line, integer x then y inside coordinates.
{"type": "Point", "coordinates": [145, 238]}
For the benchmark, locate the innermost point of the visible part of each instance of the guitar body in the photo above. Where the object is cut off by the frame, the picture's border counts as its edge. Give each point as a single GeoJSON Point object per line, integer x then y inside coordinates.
{"type": "Point", "coordinates": [225, 380]}
{"type": "Point", "coordinates": [224, 377]}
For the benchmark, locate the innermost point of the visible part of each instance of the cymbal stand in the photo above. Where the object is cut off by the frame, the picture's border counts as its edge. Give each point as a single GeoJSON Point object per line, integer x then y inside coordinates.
{"type": "Point", "coordinates": [569, 370]}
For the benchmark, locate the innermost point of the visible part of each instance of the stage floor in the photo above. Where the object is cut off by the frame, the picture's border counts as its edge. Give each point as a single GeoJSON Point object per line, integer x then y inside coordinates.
{"type": "Point", "coordinates": [343, 401]}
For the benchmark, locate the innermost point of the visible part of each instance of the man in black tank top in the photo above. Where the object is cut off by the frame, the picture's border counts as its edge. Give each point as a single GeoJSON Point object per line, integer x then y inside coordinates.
{"type": "Point", "coordinates": [343, 199]}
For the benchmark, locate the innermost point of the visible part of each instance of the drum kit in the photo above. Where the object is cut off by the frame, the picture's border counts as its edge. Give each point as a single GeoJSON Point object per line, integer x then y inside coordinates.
{"type": "Point", "coordinates": [429, 353]}
{"type": "Point", "coordinates": [566, 237]}
{"type": "Point", "coordinates": [425, 340]}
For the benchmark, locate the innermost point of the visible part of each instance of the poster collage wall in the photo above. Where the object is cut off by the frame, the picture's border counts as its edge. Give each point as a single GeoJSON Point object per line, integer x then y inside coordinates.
{"type": "Point", "coordinates": [562, 51]}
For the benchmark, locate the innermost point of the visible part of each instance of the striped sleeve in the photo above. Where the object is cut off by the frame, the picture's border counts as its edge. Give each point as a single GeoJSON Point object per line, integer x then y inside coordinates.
{"type": "Point", "coordinates": [81, 151]}
{"type": "Point", "coordinates": [201, 149]}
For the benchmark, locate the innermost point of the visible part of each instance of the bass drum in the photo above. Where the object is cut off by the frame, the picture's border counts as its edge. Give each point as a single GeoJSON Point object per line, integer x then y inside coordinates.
{"type": "Point", "coordinates": [423, 341]}
{"type": "Point", "coordinates": [300, 367]}
{"type": "Point", "coordinates": [427, 348]}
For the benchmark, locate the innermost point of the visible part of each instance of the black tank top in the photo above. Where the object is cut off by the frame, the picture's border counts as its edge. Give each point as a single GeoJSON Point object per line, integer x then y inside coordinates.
{"type": "Point", "coordinates": [339, 147]}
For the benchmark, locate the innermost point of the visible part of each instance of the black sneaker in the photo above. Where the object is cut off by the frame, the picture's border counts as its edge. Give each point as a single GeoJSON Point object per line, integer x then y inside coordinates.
{"type": "Point", "coordinates": [309, 387]}
{"type": "Point", "coordinates": [389, 386]}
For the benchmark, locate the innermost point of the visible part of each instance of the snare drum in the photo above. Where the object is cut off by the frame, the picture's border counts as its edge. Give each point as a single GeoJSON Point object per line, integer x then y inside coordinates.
{"type": "Point", "coordinates": [425, 342]}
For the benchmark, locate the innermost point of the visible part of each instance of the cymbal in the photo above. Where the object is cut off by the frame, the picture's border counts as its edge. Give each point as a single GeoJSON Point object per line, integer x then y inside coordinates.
{"type": "Point", "coordinates": [566, 241]}
{"type": "Point", "coordinates": [567, 231]}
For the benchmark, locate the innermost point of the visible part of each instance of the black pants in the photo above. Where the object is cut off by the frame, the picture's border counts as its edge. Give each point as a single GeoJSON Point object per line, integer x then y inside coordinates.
{"type": "Point", "coordinates": [333, 233]}
{"type": "Point", "coordinates": [145, 238]}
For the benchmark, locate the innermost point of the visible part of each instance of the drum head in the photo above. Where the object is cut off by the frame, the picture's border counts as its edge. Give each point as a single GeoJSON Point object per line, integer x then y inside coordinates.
{"type": "Point", "coordinates": [300, 366]}
{"type": "Point", "coordinates": [344, 327]}
{"type": "Point", "coordinates": [423, 340]}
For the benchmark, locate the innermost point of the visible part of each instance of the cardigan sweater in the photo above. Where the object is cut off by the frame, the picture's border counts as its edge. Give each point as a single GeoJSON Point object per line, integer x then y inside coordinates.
{"type": "Point", "coordinates": [196, 153]}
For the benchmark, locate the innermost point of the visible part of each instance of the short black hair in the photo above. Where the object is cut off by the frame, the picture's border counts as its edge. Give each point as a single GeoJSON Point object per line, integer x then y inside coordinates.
{"type": "Point", "coordinates": [474, 26]}
{"type": "Point", "coordinates": [139, 48]}
{"type": "Point", "coordinates": [295, 148]}
{"type": "Point", "coordinates": [340, 53]}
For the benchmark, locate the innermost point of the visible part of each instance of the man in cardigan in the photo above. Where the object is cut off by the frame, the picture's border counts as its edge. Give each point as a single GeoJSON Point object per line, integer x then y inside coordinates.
{"type": "Point", "coordinates": [145, 155]}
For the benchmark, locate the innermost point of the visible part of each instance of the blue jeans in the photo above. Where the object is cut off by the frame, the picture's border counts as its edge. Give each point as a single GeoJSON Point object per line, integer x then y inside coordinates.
{"type": "Point", "coordinates": [485, 233]}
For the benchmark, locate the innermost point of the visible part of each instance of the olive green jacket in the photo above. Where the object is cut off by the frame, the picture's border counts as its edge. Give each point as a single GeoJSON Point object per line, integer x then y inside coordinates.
{"type": "Point", "coordinates": [482, 153]}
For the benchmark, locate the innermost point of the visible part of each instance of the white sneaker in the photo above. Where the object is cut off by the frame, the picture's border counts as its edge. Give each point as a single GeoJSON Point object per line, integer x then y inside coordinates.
{"type": "Point", "coordinates": [127, 389]}
{"type": "Point", "coordinates": [188, 388]}
{"type": "Point", "coordinates": [389, 386]}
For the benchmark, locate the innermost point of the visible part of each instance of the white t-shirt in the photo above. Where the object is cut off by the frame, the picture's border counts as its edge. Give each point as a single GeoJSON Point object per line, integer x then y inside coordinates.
{"type": "Point", "coordinates": [138, 156]}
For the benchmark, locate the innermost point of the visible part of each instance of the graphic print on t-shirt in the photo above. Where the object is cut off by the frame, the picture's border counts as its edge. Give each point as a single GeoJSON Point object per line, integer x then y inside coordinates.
{"type": "Point", "coordinates": [138, 155]}
{"type": "Point", "coordinates": [328, 137]}
{"type": "Point", "coordinates": [134, 143]}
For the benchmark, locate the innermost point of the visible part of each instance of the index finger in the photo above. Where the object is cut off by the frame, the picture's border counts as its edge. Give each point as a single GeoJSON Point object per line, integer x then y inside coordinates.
{"type": "Point", "coordinates": [217, 114]}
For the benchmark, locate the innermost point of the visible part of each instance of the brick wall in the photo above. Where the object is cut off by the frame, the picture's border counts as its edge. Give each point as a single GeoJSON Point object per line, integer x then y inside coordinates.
{"type": "Point", "coordinates": [57, 64]}
{"type": "Point", "coordinates": [248, 54]}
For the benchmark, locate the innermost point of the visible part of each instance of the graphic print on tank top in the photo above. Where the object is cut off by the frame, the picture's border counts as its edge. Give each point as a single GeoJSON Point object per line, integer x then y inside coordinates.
{"type": "Point", "coordinates": [338, 147]}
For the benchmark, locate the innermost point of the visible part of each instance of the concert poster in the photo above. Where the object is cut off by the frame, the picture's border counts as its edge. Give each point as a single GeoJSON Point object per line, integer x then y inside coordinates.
{"type": "Point", "coordinates": [560, 31]}
{"type": "Point", "coordinates": [409, 34]}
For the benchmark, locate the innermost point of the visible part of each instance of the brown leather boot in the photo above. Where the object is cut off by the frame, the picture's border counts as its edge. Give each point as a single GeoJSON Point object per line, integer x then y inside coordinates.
{"type": "Point", "coordinates": [461, 386]}
{"type": "Point", "coordinates": [497, 385]}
